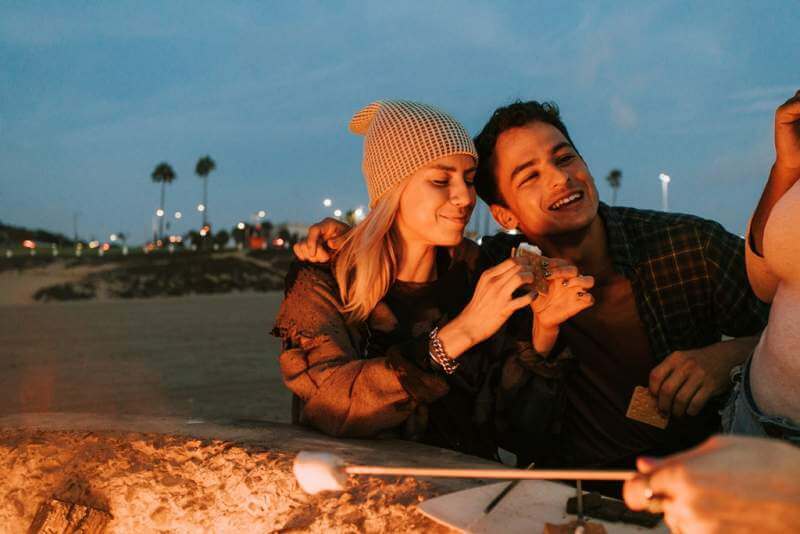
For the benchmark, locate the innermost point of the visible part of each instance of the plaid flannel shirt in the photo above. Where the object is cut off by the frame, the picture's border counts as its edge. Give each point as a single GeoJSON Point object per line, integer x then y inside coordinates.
{"type": "Point", "coordinates": [687, 273]}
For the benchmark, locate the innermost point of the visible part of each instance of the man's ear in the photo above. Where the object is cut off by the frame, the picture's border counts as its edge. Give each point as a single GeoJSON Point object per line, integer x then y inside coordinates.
{"type": "Point", "coordinates": [504, 217]}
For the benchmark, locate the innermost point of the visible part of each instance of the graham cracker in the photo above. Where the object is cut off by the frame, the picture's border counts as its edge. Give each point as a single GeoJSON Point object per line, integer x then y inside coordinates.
{"type": "Point", "coordinates": [644, 408]}
{"type": "Point", "coordinates": [540, 283]}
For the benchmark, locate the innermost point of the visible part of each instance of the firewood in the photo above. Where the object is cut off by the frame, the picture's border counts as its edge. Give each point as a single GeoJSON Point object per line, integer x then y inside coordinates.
{"type": "Point", "coordinates": [60, 517]}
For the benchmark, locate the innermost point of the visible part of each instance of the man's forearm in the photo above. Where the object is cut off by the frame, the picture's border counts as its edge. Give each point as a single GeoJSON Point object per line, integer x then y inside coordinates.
{"type": "Point", "coordinates": [780, 180]}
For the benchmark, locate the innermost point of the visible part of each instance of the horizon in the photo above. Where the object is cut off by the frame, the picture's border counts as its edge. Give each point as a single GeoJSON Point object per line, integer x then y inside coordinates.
{"type": "Point", "coordinates": [97, 95]}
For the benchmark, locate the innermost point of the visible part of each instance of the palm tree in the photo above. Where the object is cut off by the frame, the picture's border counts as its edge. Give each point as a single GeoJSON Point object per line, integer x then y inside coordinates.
{"type": "Point", "coordinates": [203, 168]}
{"type": "Point", "coordinates": [164, 174]}
{"type": "Point", "coordinates": [614, 179]}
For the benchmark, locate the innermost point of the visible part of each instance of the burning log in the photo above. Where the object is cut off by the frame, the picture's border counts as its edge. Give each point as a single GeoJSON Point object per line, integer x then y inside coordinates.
{"type": "Point", "coordinates": [56, 516]}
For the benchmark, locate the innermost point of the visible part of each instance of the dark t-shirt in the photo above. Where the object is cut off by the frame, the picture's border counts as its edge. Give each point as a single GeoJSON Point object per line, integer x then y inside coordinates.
{"type": "Point", "coordinates": [613, 356]}
{"type": "Point", "coordinates": [462, 419]}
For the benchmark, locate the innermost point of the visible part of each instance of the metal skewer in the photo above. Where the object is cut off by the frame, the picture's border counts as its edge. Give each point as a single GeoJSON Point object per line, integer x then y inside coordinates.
{"type": "Point", "coordinates": [493, 504]}
{"type": "Point", "coordinates": [579, 528]}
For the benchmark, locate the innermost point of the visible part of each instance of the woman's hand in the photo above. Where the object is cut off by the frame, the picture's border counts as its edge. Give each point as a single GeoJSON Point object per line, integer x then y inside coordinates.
{"type": "Point", "coordinates": [728, 484]}
{"type": "Point", "coordinates": [491, 306]}
{"type": "Point", "coordinates": [567, 295]}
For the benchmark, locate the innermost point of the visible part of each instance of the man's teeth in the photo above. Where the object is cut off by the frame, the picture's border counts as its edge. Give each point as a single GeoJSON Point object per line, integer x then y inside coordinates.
{"type": "Point", "coordinates": [566, 200]}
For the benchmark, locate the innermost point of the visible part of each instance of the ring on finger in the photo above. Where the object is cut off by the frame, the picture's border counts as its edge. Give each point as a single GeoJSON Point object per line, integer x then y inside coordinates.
{"type": "Point", "coordinates": [654, 502]}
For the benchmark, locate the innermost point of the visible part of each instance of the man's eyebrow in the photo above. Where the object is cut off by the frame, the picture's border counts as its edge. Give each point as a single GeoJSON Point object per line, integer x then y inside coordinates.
{"type": "Point", "coordinates": [559, 146]}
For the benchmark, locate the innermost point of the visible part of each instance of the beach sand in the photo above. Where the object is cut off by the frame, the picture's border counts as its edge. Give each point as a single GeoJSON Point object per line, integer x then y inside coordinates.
{"type": "Point", "coordinates": [163, 404]}
{"type": "Point", "coordinates": [205, 357]}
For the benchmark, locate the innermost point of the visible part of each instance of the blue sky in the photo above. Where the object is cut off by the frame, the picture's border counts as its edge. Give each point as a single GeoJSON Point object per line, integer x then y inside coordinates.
{"type": "Point", "coordinates": [94, 94]}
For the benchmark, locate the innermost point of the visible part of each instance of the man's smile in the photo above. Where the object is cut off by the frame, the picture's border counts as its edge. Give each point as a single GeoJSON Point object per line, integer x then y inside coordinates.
{"type": "Point", "coordinates": [567, 200]}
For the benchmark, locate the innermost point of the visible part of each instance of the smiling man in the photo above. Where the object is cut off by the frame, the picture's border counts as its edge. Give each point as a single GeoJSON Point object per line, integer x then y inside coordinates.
{"type": "Point", "coordinates": [667, 288]}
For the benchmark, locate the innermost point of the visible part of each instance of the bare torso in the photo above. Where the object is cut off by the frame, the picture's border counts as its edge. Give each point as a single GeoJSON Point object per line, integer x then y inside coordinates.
{"type": "Point", "coordinates": [775, 370]}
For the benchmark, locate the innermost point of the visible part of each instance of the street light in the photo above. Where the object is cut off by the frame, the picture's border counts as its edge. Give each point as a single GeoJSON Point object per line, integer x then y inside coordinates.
{"type": "Point", "coordinates": [665, 180]}
{"type": "Point", "coordinates": [327, 203]}
{"type": "Point", "coordinates": [178, 215]}
{"type": "Point", "coordinates": [337, 213]}
{"type": "Point", "coordinates": [240, 226]}
{"type": "Point", "coordinates": [159, 212]}
{"type": "Point", "coordinates": [201, 208]}
{"type": "Point", "coordinates": [262, 214]}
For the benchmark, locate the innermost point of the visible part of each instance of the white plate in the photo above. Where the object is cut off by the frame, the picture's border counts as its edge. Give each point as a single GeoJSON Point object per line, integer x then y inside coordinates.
{"type": "Point", "coordinates": [525, 509]}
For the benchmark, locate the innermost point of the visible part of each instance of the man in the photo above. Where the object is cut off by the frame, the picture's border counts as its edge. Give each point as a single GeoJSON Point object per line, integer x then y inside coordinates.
{"type": "Point", "coordinates": [766, 401]}
{"type": "Point", "coordinates": [667, 288]}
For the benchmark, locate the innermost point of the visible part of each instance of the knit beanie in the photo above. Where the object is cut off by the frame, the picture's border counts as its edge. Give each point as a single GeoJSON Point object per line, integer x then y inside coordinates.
{"type": "Point", "coordinates": [400, 137]}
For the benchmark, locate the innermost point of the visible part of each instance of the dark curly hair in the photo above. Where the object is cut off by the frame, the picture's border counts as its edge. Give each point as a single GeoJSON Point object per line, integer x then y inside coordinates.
{"type": "Point", "coordinates": [504, 118]}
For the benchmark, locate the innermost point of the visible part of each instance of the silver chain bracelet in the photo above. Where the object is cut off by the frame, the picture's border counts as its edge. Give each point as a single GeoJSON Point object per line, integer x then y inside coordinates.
{"type": "Point", "coordinates": [439, 355]}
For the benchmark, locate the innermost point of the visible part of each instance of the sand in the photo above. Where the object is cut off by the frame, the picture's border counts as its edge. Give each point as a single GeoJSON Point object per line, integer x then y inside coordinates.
{"type": "Point", "coordinates": [198, 356]}
{"type": "Point", "coordinates": [174, 386]}
{"type": "Point", "coordinates": [166, 475]}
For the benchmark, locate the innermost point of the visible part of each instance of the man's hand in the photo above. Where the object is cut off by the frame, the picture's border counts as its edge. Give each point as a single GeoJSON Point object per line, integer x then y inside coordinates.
{"type": "Point", "coordinates": [324, 238]}
{"type": "Point", "coordinates": [687, 379]}
{"type": "Point", "coordinates": [787, 135]}
{"type": "Point", "coordinates": [729, 484]}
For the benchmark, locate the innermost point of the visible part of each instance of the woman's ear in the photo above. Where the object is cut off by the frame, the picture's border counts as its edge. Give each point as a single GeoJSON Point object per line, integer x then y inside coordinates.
{"type": "Point", "coordinates": [504, 217]}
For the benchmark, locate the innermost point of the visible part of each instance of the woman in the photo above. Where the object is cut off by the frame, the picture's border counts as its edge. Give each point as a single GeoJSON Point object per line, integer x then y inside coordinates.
{"type": "Point", "coordinates": [394, 333]}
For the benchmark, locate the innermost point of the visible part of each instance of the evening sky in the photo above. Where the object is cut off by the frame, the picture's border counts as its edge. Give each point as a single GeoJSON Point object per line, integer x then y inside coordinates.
{"type": "Point", "coordinates": [94, 94]}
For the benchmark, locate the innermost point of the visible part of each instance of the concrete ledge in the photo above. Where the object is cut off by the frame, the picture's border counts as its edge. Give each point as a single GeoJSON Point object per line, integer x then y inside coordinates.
{"type": "Point", "coordinates": [169, 474]}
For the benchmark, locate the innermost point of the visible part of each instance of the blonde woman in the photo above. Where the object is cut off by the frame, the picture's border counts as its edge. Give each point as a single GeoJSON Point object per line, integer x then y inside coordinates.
{"type": "Point", "coordinates": [391, 335]}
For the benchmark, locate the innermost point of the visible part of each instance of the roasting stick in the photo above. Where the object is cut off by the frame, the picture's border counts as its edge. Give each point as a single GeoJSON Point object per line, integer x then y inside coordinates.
{"type": "Point", "coordinates": [502, 474]}
{"type": "Point", "coordinates": [321, 471]}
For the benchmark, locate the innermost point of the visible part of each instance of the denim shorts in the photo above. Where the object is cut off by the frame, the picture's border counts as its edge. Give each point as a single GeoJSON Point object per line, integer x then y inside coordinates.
{"type": "Point", "coordinates": [742, 416]}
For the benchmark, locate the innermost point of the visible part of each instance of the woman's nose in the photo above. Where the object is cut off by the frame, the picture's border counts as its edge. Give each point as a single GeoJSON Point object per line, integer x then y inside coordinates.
{"type": "Point", "coordinates": [460, 193]}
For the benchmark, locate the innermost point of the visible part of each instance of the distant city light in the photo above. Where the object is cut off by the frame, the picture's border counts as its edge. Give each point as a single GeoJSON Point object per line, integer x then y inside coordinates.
{"type": "Point", "coordinates": [665, 180]}
{"type": "Point", "coordinates": [240, 226]}
{"type": "Point", "coordinates": [201, 208]}
{"type": "Point", "coordinates": [358, 214]}
{"type": "Point", "coordinates": [327, 203]}
{"type": "Point", "coordinates": [112, 237]}
{"type": "Point", "coordinates": [262, 213]}
{"type": "Point", "coordinates": [94, 244]}
{"type": "Point", "coordinates": [160, 212]}
{"type": "Point", "coordinates": [29, 244]}
{"type": "Point", "coordinates": [178, 215]}
{"type": "Point", "coordinates": [105, 247]}
{"type": "Point", "coordinates": [337, 213]}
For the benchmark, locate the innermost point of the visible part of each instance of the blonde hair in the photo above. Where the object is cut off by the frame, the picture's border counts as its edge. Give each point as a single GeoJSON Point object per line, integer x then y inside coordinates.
{"type": "Point", "coordinates": [365, 266]}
